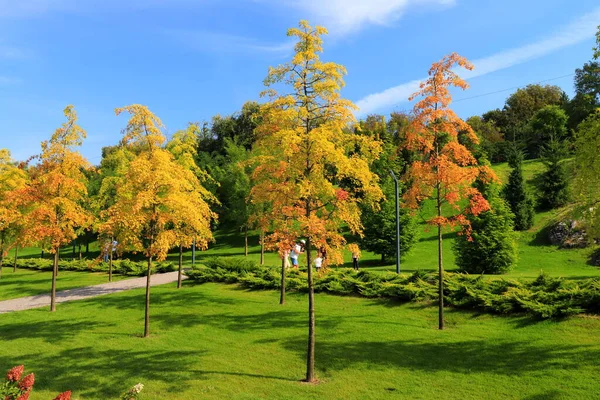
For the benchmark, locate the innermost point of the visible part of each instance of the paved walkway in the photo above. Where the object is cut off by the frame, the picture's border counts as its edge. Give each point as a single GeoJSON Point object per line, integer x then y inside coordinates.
{"type": "Point", "coordinates": [43, 300]}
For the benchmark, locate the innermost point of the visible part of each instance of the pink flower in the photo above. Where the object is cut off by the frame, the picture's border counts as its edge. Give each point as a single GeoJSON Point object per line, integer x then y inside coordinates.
{"type": "Point", "coordinates": [27, 383]}
{"type": "Point", "coordinates": [24, 396]}
{"type": "Point", "coordinates": [15, 373]}
{"type": "Point", "coordinates": [64, 396]}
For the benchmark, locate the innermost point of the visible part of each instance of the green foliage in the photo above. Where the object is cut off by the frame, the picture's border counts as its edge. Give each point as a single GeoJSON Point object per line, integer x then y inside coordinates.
{"type": "Point", "coordinates": [544, 297]}
{"type": "Point", "coordinates": [516, 194]}
{"type": "Point", "coordinates": [491, 141]}
{"type": "Point", "coordinates": [554, 185]}
{"type": "Point", "coordinates": [587, 183]}
{"type": "Point", "coordinates": [547, 125]}
{"type": "Point", "coordinates": [123, 267]}
{"type": "Point", "coordinates": [491, 247]}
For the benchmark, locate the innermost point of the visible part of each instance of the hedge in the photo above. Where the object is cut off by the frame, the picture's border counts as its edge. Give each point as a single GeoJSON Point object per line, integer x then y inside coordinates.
{"type": "Point", "coordinates": [122, 267]}
{"type": "Point", "coordinates": [545, 297]}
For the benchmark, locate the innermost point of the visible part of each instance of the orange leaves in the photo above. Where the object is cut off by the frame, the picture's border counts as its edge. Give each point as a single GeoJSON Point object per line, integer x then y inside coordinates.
{"type": "Point", "coordinates": [445, 170]}
{"type": "Point", "coordinates": [57, 190]}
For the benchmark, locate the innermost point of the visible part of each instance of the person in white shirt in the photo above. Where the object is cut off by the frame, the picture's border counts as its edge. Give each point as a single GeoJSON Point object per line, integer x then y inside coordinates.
{"type": "Point", "coordinates": [318, 263]}
{"type": "Point", "coordinates": [295, 253]}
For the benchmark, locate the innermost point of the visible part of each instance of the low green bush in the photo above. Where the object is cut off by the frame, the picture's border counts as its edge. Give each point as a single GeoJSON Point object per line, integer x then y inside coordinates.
{"type": "Point", "coordinates": [544, 297]}
{"type": "Point", "coordinates": [121, 267]}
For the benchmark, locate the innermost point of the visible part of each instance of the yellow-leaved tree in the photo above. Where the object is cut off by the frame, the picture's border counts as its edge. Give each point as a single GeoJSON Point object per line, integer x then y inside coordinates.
{"type": "Point", "coordinates": [184, 148]}
{"type": "Point", "coordinates": [155, 197]}
{"type": "Point", "coordinates": [312, 170]}
{"type": "Point", "coordinates": [12, 221]}
{"type": "Point", "coordinates": [56, 191]}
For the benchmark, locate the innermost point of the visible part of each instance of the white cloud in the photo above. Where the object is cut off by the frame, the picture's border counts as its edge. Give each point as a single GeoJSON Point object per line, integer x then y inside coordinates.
{"type": "Point", "coordinates": [226, 43]}
{"type": "Point", "coordinates": [345, 16]}
{"type": "Point", "coordinates": [576, 32]}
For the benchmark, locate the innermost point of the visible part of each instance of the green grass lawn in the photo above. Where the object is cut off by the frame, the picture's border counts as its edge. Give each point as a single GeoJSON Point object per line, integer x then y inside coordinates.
{"type": "Point", "coordinates": [216, 341]}
{"type": "Point", "coordinates": [30, 283]}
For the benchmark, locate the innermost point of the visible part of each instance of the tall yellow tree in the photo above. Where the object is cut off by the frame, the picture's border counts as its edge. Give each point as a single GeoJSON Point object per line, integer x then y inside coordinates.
{"type": "Point", "coordinates": [184, 148]}
{"type": "Point", "coordinates": [155, 197]}
{"type": "Point", "coordinates": [312, 170]}
{"type": "Point", "coordinates": [12, 179]}
{"type": "Point", "coordinates": [445, 169]}
{"type": "Point", "coordinates": [56, 191]}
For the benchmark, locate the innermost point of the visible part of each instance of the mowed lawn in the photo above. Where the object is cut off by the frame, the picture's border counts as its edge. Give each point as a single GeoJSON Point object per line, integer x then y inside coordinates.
{"type": "Point", "coordinates": [217, 341]}
{"type": "Point", "coordinates": [25, 282]}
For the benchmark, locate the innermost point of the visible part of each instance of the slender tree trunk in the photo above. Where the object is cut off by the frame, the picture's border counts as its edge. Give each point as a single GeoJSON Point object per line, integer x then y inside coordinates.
{"type": "Point", "coordinates": [57, 256]}
{"type": "Point", "coordinates": [147, 315]}
{"type": "Point", "coordinates": [382, 258]}
{"type": "Point", "coordinates": [87, 247]}
{"type": "Point", "coordinates": [262, 247]}
{"type": "Point", "coordinates": [80, 253]}
{"type": "Point", "coordinates": [54, 275]}
{"type": "Point", "coordinates": [110, 259]}
{"type": "Point", "coordinates": [180, 266]}
{"type": "Point", "coordinates": [282, 296]}
{"type": "Point", "coordinates": [246, 241]}
{"type": "Point", "coordinates": [42, 255]}
{"type": "Point", "coordinates": [1, 254]}
{"type": "Point", "coordinates": [310, 358]}
{"type": "Point", "coordinates": [16, 258]}
{"type": "Point", "coordinates": [440, 265]}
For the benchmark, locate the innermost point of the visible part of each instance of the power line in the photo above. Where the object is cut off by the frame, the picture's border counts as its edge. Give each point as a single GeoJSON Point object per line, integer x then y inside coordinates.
{"type": "Point", "coordinates": [512, 88]}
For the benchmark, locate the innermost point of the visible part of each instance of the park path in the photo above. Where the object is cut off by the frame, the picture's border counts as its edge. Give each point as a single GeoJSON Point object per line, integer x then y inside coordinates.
{"type": "Point", "coordinates": [43, 300]}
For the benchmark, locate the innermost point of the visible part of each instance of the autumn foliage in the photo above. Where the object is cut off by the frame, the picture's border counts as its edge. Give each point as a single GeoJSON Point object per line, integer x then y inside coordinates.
{"type": "Point", "coordinates": [445, 169]}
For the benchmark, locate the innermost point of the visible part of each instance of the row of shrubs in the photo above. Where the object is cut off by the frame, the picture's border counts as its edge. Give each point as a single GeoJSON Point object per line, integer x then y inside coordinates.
{"type": "Point", "coordinates": [545, 297]}
{"type": "Point", "coordinates": [122, 267]}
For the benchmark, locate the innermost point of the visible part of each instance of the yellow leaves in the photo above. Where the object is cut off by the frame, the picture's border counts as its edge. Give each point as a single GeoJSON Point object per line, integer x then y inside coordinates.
{"type": "Point", "coordinates": [160, 202]}
{"type": "Point", "coordinates": [143, 128]}
{"type": "Point", "coordinates": [312, 170]}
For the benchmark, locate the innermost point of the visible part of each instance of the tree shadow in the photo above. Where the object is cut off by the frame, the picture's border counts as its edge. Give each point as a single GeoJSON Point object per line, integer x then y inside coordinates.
{"type": "Point", "coordinates": [84, 370]}
{"type": "Point", "coordinates": [549, 395]}
{"type": "Point", "coordinates": [51, 331]}
{"type": "Point", "coordinates": [541, 237]}
{"type": "Point", "coordinates": [504, 357]}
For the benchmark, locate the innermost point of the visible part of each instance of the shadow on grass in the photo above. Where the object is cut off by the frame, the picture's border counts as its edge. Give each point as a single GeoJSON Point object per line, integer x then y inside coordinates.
{"type": "Point", "coordinates": [84, 370]}
{"type": "Point", "coordinates": [510, 358]}
{"type": "Point", "coordinates": [51, 331]}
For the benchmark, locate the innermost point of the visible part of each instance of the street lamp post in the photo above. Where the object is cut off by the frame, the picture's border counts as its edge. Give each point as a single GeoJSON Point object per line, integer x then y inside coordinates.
{"type": "Point", "coordinates": [397, 223]}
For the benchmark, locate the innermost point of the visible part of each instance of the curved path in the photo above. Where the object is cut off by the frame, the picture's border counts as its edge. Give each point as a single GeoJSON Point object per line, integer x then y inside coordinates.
{"type": "Point", "coordinates": [43, 300]}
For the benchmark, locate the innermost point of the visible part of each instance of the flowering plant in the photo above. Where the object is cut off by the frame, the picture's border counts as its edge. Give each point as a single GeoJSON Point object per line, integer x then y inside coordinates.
{"type": "Point", "coordinates": [133, 393]}
{"type": "Point", "coordinates": [16, 388]}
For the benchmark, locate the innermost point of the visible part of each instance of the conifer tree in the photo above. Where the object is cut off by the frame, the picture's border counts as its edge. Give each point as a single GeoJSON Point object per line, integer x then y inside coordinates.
{"type": "Point", "coordinates": [516, 194]}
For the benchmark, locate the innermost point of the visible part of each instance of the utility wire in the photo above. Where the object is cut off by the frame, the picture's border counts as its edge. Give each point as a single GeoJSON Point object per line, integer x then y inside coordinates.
{"type": "Point", "coordinates": [511, 88]}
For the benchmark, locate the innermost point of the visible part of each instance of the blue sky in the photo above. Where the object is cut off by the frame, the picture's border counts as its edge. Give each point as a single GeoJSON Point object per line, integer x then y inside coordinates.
{"type": "Point", "coordinates": [191, 59]}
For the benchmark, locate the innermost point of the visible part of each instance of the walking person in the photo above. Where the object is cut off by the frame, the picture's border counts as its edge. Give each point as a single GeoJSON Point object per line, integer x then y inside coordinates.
{"type": "Point", "coordinates": [295, 253]}
{"type": "Point", "coordinates": [318, 263]}
{"type": "Point", "coordinates": [355, 255]}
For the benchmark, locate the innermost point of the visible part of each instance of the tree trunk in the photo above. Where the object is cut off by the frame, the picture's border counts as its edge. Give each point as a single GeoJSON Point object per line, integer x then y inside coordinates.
{"type": "Point", "coordinates": [282, 296]}
{"type": "Point", "coordinates": [246, 241]}
{"type": "Point", "coordinates": [147, 315]}
{"type": "Point", "coordinates": [80, 253]}
{"type": "Point", "coordinates": [262, 247]}
{"type": "Point", "coordinates": [16, 258]}
{"type": "Point", "coordinates": [42, 255]}
{"type": "Point", "coordinates": [87, 247]}
{"type": "Point", "coordinates": [310, 358]}
{"type": "Point", "coordinates": [180, 266]}
{"type": "Point", "coordinates": [382, 259]}
{"type": "Point", "coordinates": [74, 250]}
{"type": "Point", "coordinates": [54, 275]}
{"type": "Point", "coordinates": [440, 266]}
{"type": "Point", "coordinates": [110, 259]}
{"type": "Point", "coordinates": [1, 254]}
{"type": "Point", "coordinates": [57, 256]}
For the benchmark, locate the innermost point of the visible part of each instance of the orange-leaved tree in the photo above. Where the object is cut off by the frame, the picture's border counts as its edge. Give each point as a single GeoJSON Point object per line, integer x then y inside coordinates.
{"type": "Point", "coordinates": [57, 190]}
{"type": "Point", "coordinates": [12, 220]}
{"type": "Point", "coordinates": [184, 148]}
{"type": "Point", "coordinates": [155, 197]}
{"type": "Point", "coordinates": [445, 169]}
{"type": "Point", "coordinates": [312, 171]}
